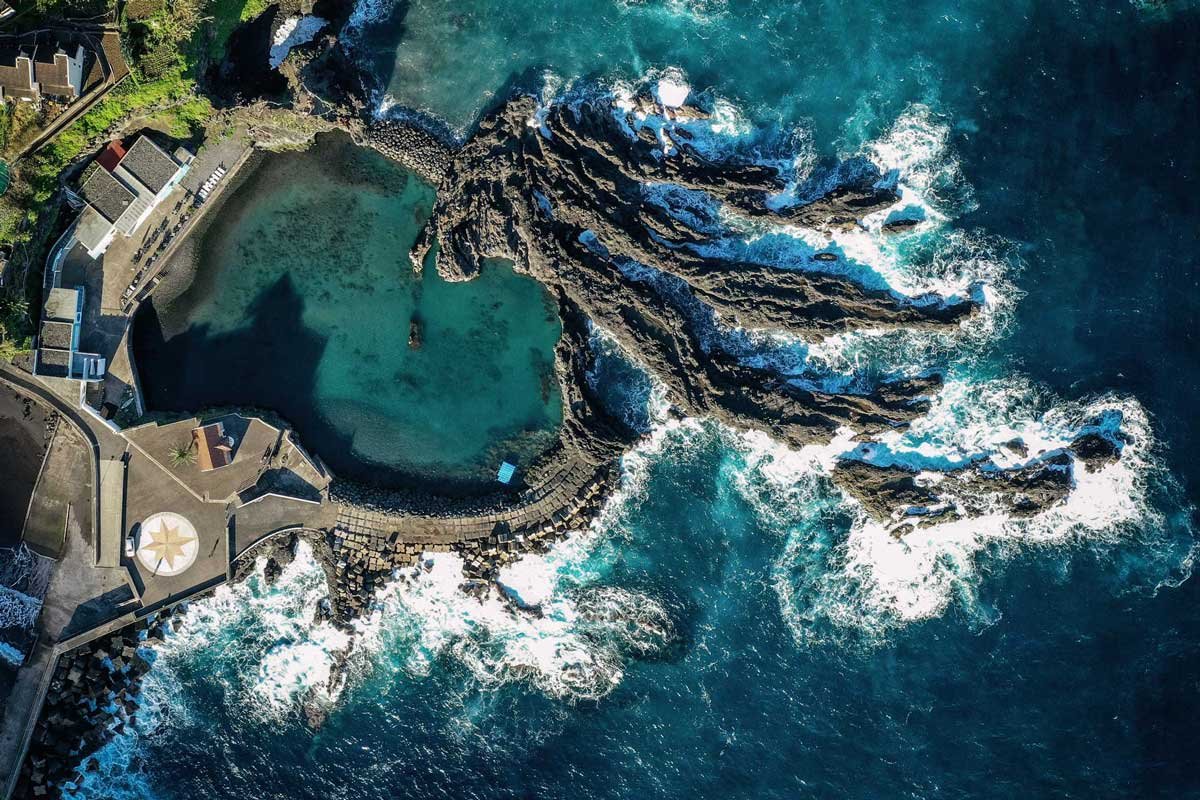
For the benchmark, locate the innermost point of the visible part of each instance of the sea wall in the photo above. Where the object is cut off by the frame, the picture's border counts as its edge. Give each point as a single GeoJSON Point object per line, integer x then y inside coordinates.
{"type": "Point", "coordinates": [94, 694]}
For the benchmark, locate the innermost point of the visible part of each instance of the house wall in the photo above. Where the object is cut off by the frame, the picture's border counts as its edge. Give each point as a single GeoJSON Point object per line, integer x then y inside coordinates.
{"type": "Point", "coordinates": [75, 71]}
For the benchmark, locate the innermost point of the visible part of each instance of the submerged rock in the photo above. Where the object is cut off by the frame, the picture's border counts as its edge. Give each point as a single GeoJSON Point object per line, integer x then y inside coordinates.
{"type": "Point", "coordinates": [416, 336]}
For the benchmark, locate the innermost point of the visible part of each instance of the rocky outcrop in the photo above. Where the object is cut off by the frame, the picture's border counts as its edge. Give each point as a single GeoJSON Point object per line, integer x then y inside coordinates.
{"type": "Point", "coordinates": [897, 494]}
{"type": "Point", "coordinates": [565, 196]}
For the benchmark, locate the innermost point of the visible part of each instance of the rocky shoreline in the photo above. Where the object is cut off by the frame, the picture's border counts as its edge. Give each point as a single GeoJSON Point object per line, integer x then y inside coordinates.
{"type": "Point", "coordinates": [567, 201]}
{"type": "Point", "coordinates": [359, 562]}
{"type": "Point", "coordinates": [93, 695]}
{"type": "Point", "coordinates": [572, 202]}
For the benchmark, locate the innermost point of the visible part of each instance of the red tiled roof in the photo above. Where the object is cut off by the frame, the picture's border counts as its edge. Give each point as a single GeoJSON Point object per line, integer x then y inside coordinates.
{"type": "Point", "coordinates": [212, 448]}
{"type": "Point", "coordinates": [111, 156]}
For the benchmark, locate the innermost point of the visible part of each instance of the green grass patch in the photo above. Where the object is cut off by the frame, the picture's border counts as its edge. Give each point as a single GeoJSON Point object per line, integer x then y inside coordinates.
{"type": "Point", "coordinates": [226, 16]}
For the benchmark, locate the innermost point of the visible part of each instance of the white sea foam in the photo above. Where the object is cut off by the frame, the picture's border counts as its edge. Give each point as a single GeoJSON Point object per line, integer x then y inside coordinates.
{"type": "Point", "coordinates": [839, 570]}
{"type": "Point", "coordinates": [571, 640]}
{"type": "Point", "coordinates": [918, 147]}
{"type": "Point", "coordinates": [841, 573]}
{"type": "Point", "coordinates": [365, 13]}
{"type": "Point", "coordinates": [928, 263]}
{"type": "Point", "coordinates": [292, 32]}
{"type": "Point", "coordinates": [672, 92]}
{"type": "Point", "coordinates": [266, 633]}
{"type": "Point", "coordinates": [698, 11]}
{"type": "Point", "coordinates": [555, 629]}
{"type": "Point", "coordinates": [556, 625]}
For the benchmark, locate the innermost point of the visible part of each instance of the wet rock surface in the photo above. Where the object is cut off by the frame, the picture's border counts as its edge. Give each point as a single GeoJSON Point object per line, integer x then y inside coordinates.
{"type": "Point", "coordinates": [564, 193]}
{"type": "Point", "coordinates": [566, 200]}
{"type": "Point", "coordinates": [891, 493]}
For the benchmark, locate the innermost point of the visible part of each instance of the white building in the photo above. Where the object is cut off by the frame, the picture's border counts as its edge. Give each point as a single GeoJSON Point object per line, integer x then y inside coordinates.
{"type": "Point", "coordinates": [57, 354]}
{"type": "Point", "coordinates": [124, 188]}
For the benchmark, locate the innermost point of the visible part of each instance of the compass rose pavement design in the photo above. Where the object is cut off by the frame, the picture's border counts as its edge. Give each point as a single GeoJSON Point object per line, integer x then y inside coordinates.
{"type": "Point", "coordinates": [168, 544]}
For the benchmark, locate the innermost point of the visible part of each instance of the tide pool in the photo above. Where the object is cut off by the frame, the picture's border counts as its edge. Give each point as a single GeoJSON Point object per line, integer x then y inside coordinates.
{"type": "Point", "coordinates": [302, 304]}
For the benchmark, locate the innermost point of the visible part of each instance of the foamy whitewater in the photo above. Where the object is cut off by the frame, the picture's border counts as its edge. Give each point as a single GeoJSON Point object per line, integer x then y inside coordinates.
{"type": "Point", "coordinates": [732, 625]}
{"type": "Point", "coordinates": [552, 623]}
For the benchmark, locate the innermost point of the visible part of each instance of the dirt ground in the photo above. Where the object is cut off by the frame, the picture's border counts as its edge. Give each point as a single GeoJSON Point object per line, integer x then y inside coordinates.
{"type": "Point", "coordinates": [23, 440]}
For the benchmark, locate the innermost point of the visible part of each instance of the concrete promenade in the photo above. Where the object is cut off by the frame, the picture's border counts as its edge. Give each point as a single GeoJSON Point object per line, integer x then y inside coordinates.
{"type": "Point", "coordinates": [553, 501]}
{"type": "Point", "coordinates": [85, 599]}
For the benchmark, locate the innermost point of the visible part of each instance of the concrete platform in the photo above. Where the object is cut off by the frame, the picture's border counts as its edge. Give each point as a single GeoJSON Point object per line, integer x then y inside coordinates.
{"type": "Point", "coordinates": [153, 489]}
{"type": "Point", "coordinates": [255, 442]}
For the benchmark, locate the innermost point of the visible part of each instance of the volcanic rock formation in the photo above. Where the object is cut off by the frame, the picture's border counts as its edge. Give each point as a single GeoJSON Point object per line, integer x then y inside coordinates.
{"type": "Point", "coordinates": [622, 216]}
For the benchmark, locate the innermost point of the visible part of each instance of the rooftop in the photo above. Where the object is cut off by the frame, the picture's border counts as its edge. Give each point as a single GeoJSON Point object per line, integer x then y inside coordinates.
{"type": "Point", "coordinates": [54, 363]}
{"type": "Point", "coordinates": [62, 304]}
{"type": "Point", "coordinates": [255, 441]}
{"type": "Point", "coordinates": [111, 157]}
{"type": "Point", "coordinates": [106, 194]}
{"type": "Point", "coordinates": [57, 335]}
{"type": "Point", "coordinates": [213, 448]}
{"type": "Point", "coordinates": [16, 77]}
{"type": "Point", "coordinates": [149, 164]}
{"type": "Point", "coordinates": [38, 65]}
{"type": "Point", "coordinates": [53, 73]}
{"type": "Point", "coordinates": [92, 228]}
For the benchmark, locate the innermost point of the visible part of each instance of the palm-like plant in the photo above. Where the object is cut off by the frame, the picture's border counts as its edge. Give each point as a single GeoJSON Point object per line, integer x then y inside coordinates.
{"type": "Point", "coordinates": [182, 454]}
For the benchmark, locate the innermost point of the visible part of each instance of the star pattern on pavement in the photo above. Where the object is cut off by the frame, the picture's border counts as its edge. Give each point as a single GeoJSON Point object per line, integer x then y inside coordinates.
{"type": "Point", "coordinates": [167, 543]}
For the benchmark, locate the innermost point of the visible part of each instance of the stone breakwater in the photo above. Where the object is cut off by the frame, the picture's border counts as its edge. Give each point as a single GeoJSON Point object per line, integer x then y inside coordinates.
{"type": "Point", "coordinates": [368, 548]}
{"type": "Point", "coordinates": [416, 145]}
{"type": "Point", "coordinates": [94, 694]}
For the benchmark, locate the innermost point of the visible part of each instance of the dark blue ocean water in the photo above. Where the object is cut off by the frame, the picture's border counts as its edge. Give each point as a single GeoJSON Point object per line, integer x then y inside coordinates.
{"type": "Point", "coordinates": [732, 628]}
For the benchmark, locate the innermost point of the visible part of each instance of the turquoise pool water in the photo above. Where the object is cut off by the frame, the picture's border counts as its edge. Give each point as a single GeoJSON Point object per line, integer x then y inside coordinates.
{"type": "Point", "coordinates": [302, 304]}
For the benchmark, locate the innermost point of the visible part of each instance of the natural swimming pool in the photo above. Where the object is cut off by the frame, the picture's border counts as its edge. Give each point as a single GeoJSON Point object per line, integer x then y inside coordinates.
{"type": "Point", "coordinates": [301, 304]}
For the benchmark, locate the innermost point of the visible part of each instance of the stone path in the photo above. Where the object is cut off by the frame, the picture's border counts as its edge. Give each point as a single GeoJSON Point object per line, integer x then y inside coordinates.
{"type": "Point", "coordinates": [549, 504]}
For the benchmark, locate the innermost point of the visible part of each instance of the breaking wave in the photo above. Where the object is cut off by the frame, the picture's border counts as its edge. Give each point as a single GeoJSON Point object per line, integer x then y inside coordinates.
{"type": "Point", "coordinates": [557, 623]}
{"type": "Point", "coordinates": [843, 577]}
{"type": "Point", "coordinates": [553, 624]}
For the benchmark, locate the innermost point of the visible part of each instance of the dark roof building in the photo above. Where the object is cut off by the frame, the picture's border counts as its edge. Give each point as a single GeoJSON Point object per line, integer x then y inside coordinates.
{"type": "Point", "coordinates": [58, 335]}
{"type": "Point", "coordinates": [57, 354]}
{"type": "Point", "coordinates": [16, 74]}
{"type": "Point", "coordinates": [123, 187]}
{"type": "Point", "coordinates": [149, 164]}
{"type": "Point", "coordinates": [106, 194]}
{"type": "Point", "coordinates": [53, 363]}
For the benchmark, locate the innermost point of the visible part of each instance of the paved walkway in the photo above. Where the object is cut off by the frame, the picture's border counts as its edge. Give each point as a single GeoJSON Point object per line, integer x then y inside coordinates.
{"type": "Point", "coordinates": [79, 595]}
{"type": "Point", "coordinates": [552, 502]}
